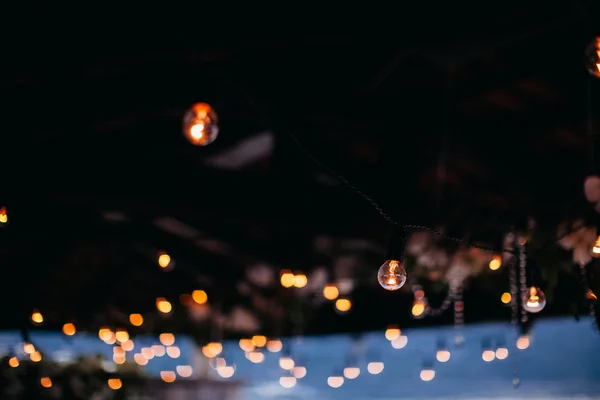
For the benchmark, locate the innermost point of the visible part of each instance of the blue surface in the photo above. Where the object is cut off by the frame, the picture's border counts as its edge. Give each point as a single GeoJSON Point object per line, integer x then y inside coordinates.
{"type": "Point", "coordinates": [57, 346]}
{"type": "Point", "coordinates": [562, 361]}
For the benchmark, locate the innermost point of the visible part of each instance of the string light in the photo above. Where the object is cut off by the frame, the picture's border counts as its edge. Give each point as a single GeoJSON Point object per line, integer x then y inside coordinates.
{"type": "Point", "coordinates": [330, 292]}
{"type": "Point", "coordinates": [200, 124]}
{"type": "Point", "coordinates": [391, 275]}
{"type": "Point", "coordinates": [593, 57]}
{"type": "Point", "coordinates": [522, 277]}
{"type": "Point", "coordinates": [534, 300]}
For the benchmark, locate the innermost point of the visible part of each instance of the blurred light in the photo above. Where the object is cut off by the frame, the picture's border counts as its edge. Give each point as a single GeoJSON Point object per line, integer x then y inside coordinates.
{"type": "Point", "coordinates": [343, 305]}
{"type": "Point", "coordinates": [300, 280]}
{"type": "Point", "coordinates": [427, 375]}
{"type": "Point", "coordinates": [226, 371]}
{"type": "Point", "coordinates": [128, 345]}
{"type": "Point", "coordinates": [185, 371]}
{"type": "Point", "coordinates": [286, 363]}
{"type": "Point", "coordinates": [330, 292]}
{"type": "Point", "coordinates": [136, 319]}
{"type": "Point", "coordinates": [522, 342]}
{"type": "Point", "coordinates": [3, 216]}
{"type": "Point", "coordinates": [173, 351]}
{"type": "Point", "coordinates": [256, 357]}
{"type": "Point", "coordinates": [69, 329]}
{"type": "Point", "coordinates": [37, 317]}
{"type": "Point", "coordinates": [506, 298]}
{"type": "Point", "coordinates": [246, 345]}
{"type": "Point", "coordinates": [121, 335]}
{"type": "Point", "coordinates": [199, 296]}
{"type": "Point", "coordinates": [375, 367]}
{"type": "Point", "coordinates": [163, 305]}
{"type": "Point", "coordinates": [200, 124]}
{"type": "Point", "coordinates": [140, 359]}
{"type": "Point", "coordinates": [299, 372]}
{"type": "Point", "coordinates": [400, 342]}
{"type": "Point", "coordinates": [351, 372]}
{"type": "Point", "coordinates": [488, 355]}
{"type": "Point", "coordinates": [418, 308]}
{"type": "Point", "coordinates": [287, 381]}
{"type": "Point", "coordinates": [36, 356]}
{"type": "Point", "coordinates": [115, 383]}
{"type": "Point", "coordinates": [274, 345]}
{"type": "Point", "coordinates": [442, 356]}
{"type": "Point", "coordinates": [501, 353]}
{"type": "Point", "coordinates": [164, 260]}
{"type": "Point", "coordinates": [13, 362]}
{"type": "Point", "coordinates": [496, 263]}
{"type": "Point", "coordinates": [259, 340]}
{"type": "Point", "coordinates": [287, 278]}
{"type": "Point", "coordinates": [166, 339]}
{"type": "Point", "coordinates": [28, 348]}
{"type": "Point", "coordinates": [392, 333]}
{"type": "Point", "coordinates": [46, 382]}
{"type": "Point", "coordinates": [335, 381]}
{"type": "Point", "coordinates": [147, 352]}
{"type": "Point", "coordinates": [168, 376]}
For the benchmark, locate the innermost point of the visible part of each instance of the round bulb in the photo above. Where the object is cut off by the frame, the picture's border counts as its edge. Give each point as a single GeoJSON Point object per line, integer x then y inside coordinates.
{"type": "Point", "coordinates": [391, 275]}
{"type": "Point", "coordinates": [200, 124]}
{"type": "Point", "coordinates": [593, 57]}
{"type": "Point", "coordinates": [534, 300]}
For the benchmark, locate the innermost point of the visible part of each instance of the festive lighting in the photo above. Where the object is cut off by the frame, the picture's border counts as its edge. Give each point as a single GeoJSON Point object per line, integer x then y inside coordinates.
{"type": "Point", "coordinates": [419, 307]}
{"type": "Point", "coordinates": [69, 329]}
{"type": "Point", "coordinates": [501, 353]}
{"type": "Point", "coordinates": [159, 350]}
{"type": "Point", "coordinates": [523, 342]}
{"type": "Point", "coordinates": [185, 371]}
{"type": "Point", "coordinates": [246, 345]}
{"type": "Point", "coordinates": [330, 292]}
{"type": "Point", "coordinates": [443, 355]}
{"type": "Point", "coordinates": [168, 376]}
{"type": "Point", "coordinates": [427, 374]}
{"type": "Point", "coordinates": [259, 340]}
{"type": "Point", "coordinates": [164, 261]}
{"type": "Point", "coordinates": [200, 124]}
{"type": "Point", "coordinates": [506, 298]}
{"type": "Point", "coordinates": [343, 305]}
{"type": "Point", "coordinates": [136, 319]}
{"type": "Point", "coordinates": [299, 372]}
{"type": "Point", "coordinates": [392, 333]}
{"type": "Point", "coordinates": [36, 356]}
{"type": "Point", "coordinates": [335, 381]}
{"type": "Point", "coordinates": [391, 275]}
{"type": "Point", "coordinates": [166, 339]}
{"type": "Point", "coordinates": [287, 381]}
{"type": "Point", "coordinates": [287, 278]}
{"type": "Point", "coordinates": [596, 248]}
{"type": "Point", "coordinates": [37, 317]}
{"type": "Point", "coordinates": [495, 263]}
{"type": "Point", "coordinates": [199, 296]}
{"type": "Point", "coordinates": [13, 362]}
{"type": "Point", "coordinates": [173, 351]}
{"type": "Point", "coordinates": [375, 367]}
{"type": "Point", "coordinates": [593, 57]}
{"type": "Point", "coordinates": [115, 383]}
{"type": "Point", "coordinates": [286, 363]}
{"type": "Point", "coordinates": [351, 372]}
{"type": "Point", "coordinates": [488, 355]}
{"type": "Point", "coordinates": [255, 357]}
{"type": "Point", "coordinates": [300, 280]}
{"type": "Point", "coordinates": [226, 371]}
{"type": "Point", "coordinates": [46, 382]}
{"type": "Point", "coordinates": [274, 346]}
{"type": "Point", "coordinates": [400, 342]}
{"type": "Point", "coordinates": [163, 306]}
{"type": "Point", "coordinates": [121, 335]}
{"type": "Point", "coordinates": [3, 216]}
{"type": "Point", "coordinates": [534, 300]}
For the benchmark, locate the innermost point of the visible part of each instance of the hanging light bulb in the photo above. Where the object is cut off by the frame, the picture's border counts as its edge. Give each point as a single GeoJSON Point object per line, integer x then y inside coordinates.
{"type": "Point", "coordinates": [593, 57]}
{"type": "Point", "coordinates": [534, 300]}
{"type": "Point", "coordinates": [3, 217]}
{"type": "Point", "coordinates": [596, 248]}
{"type": "Point", "coordinates": [391, 275]}
{"type": "Point", "coordinates": [200, 124]}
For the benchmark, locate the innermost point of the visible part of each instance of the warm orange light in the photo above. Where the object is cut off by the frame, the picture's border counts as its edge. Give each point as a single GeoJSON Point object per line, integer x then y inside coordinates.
{"type": "Point", "coordinates": [69, 329]}
{"type": "Point", "coordinates": [163, 305]}
{"type": "Point", "coordinates": [199, 296]}
{"type": "Point", "coordinates": [259, 340]}
{"type": "Point", "coordinates": [330, 292]}
{"type": "Point", "coordinates": [164, 260]}
{"type": "Point", "coordinates": [140, 359]}
{"type": "Point", "coordinates": [274, 346]}
{"type": "Point", "coordinates": [392, 333]}
{"type": "Point", "coordinates": [28, 348]}
{"type": "Point", "coordinates": [200, 124]}
{"type": "Point", "coordinates": [115, 383]}
{"type": "Point", "coordinates": [418, 308]}
{"type": "Point", "coordinates": [246, 345]}
{"type": "Point", "coordinates": [596, 248]}
{"type": "Point", "coordinates": [505, 298]}
{"type": "Point", "coordinates": [168, 376]}
{"type": "Point", "coordinates": [590, 295]}
{"type": "Point", "coordinates": [167, 339]}
{"type": "Point", "coordinates": [36, 356]}
{"type": "Point", "coordinates": [287, 279]}
{"type": "Point", "coordinates": [37, 317]}
{"type": "Point", "coordinates": [185, 371]}
{"type": "Point", "coordinates": [105, 334]}
{"type": "Point", "coordinates": [300, 280]}
{"type": "Point", "coordinates": [13, 362]}
{"type": "Point", "coordinates": [121, 335]}
{"type": "Point", "coordinates": [128, 345]}
{"type": "Point", "coordinates": [495, 263]}
{"type": "Point", "coordinates": [3, 215]}
{"type": "Point", "coordinates": [343, 305]}
{"type": "Point", "coordinates": [173, 351]}
{"type": "Point", "coordinates": [136, 319]}
{"type": "Point", "coordinates": [46, 382]}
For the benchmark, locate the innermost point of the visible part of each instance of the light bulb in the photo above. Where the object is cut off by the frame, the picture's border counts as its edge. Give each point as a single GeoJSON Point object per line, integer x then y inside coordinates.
{"type": "Point", "coordinates": [391, 275]}
{"type": "Point", "coordinates": [596, 248]}
{"type": "Point", "coordinates": [534, 300]}
{"type": "Point", "coordinates": [200, 124]}
{"type": "Point", "coordinates": [593, 57]}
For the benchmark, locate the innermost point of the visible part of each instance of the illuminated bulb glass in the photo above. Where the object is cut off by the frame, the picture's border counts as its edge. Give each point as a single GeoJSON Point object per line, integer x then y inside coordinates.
{"type": "Point", "coordinates": [488, 355]}
{"type": "Point", "coordinates": [442, 356]}
{"type": "Point", "coordinates": [427, 375]}
{"type": "Point", "coordinates": [391, 275]}
{"type": "Point", "coordinates": [286, 363]}
{"type": "Point", "coordinates": [287, 381]}
{"type": "Point", "coordinates": [593, 57]}
{"type": "Point", "coordinates": [375, 367]}
{"type": "Point", "coordinates": [522, 342]}
{"type": "Point", "coordinates": [330, 292]}
{"type": "Point", "coordinates": [3, 216]}
{"type": "Point", "coordinates": [259, 340]}
{"type": "Point", "coordinates": [501, 353]}
{"type": "Point", "coordinates": [246, 345]}
{"type": "Point", "coordinates": [496, 263]}
{"type": "Point", "coordinates": [534, 300]}
{"type": "Point", "coordinates": [596, 248]}
{"type": "Point", "coordinates": [299, 372]}
{"type": "Point", "coordinates": [200, 124]}
{"type": "Point", "coordinates": [351, 372]}
{"type": "Point", "coordinates": [274, 346]}
{"type": "Point", "coordinates": [419, 308]}
{"type": "Point", "coordinates": [505, 298]}
{"type": "Point", "coordinates": [226, 371]}
{"type": "Point", "coordinates": [164, 261]}
{"type": "Point", "coordinates": [335, 381]}
{"type": "Point", "coordinates": [392, 333]}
